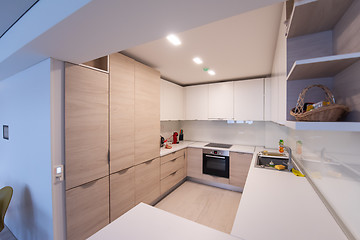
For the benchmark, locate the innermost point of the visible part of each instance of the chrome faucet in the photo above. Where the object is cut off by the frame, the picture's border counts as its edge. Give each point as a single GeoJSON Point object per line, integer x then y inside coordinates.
{"type": "Point", "coordinates": [289, 165]}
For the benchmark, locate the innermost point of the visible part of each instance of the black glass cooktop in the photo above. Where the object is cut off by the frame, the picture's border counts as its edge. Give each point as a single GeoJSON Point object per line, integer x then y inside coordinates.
{"type": "Point", "coordinates": [218, 145]}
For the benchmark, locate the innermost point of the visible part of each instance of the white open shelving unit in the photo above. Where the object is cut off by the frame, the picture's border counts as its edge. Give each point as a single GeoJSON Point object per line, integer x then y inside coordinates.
{"type": "Point", "coordinates": [308, 18]}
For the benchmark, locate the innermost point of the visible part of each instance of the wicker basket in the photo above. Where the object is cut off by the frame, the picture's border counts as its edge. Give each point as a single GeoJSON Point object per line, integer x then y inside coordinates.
{"type": "Point", "coordinates": [329, 113]}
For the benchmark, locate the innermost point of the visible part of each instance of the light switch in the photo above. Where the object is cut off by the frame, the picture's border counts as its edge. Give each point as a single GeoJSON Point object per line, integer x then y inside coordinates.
{"type": "Point", "coordinates": [6, 132]}
{"type": "Point", "coordinates": [59, 172]}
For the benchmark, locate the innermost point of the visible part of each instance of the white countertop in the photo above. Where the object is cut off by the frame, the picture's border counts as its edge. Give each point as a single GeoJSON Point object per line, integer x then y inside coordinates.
{"type": "Point", "coordinates": [146, 222]}
{"type": "Point", "coordinates": [185, 144]}
{"type": "Point", "coordinates": [278, 205]}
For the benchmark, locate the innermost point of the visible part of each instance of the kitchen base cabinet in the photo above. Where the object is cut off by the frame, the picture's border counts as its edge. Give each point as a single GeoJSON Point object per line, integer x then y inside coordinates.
{"type": "Point", "coordinates": [215, 179]}
{"type": "Point", "coordinates": [147, 181]}
{"type": "Point", "coordinates": [194, 162]}
{"type": "Point", "coordinates": [87, 209]}
{"type": "Point", "coordinates": [171, 180]}
{"type": "Point", "coordinates": [239, 168]}
{"type": "Point", "coordinates": [122, 192]}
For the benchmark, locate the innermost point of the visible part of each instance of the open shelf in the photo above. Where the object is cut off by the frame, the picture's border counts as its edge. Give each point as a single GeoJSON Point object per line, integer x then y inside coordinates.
{"type": "Point", "coordinates": [325, 126]}
{"type": "Point", "coordinates": [311, 16]}
{"type": "Point", "coordinates": [322, 67]}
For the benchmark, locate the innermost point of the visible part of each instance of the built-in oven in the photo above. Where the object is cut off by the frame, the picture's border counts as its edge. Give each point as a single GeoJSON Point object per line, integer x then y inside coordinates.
{"type": "Point", "coordinates": [216, 162]}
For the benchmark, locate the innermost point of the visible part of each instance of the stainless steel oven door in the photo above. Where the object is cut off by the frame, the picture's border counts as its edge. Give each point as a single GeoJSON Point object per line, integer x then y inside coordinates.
{"type": "Point", "coordinates": [216, 165]}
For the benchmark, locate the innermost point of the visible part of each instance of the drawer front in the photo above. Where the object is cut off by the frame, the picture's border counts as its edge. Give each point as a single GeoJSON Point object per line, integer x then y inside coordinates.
{"type": "Point", "coordinates": [87, 209]}
{"type": "Point", "coordinates": [172, 180]}
{"type": "Point", "coordinates": [122, 192]}
{"type": "Point", "coordinates": [147, 181]}
{"type": "Point", "coordinates": [172, 166]}
{"type": "Point", "coordinates": [215, 179]}
{"type": "Point", "coordinates": [172, 156]}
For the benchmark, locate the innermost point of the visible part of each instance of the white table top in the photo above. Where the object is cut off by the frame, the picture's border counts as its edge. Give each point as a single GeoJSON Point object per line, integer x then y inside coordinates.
{"type": "Point", "coordinates": [144, 222]}
{"type": "Point", "coordinates": [278, 205]}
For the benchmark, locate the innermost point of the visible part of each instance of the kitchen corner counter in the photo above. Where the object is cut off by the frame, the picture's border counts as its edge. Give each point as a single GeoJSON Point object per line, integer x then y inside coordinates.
{"type": "Point", "coordinates": [279, 205]}
{"type": "Point", "coordinates": [146, 222]}
{"type": "Point", "coordinates": [175, 147]}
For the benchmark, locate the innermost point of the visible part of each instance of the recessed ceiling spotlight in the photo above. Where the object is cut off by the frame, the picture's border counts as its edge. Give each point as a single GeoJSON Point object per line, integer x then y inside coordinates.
{"type": "Point", "coordinates": [197, 60]}
{"type": "Point", "coordinates": [211, 72]}
{"type": "Point", "coordinates": [174, 39]}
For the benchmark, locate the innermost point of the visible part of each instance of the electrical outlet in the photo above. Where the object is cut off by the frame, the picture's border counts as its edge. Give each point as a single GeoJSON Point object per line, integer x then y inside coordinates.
{"type": "Point", "coordinates": [6, 132]}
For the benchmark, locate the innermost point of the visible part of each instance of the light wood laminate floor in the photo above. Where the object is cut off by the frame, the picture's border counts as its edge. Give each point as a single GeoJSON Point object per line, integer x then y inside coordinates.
{"type": "Point", "coordinates": [210, 206]}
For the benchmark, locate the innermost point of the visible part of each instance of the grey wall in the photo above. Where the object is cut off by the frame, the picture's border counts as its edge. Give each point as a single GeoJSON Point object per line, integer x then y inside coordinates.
{"type": "Point", "coordinates": [26, 156]}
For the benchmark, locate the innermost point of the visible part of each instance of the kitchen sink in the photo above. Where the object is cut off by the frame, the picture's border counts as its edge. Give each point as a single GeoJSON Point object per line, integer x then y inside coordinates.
{"type": "Point", "coordinates": [264, 162]}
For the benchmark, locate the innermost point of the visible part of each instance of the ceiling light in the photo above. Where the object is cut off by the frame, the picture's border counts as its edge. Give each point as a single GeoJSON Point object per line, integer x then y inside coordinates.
{"type": "Point", "coordinates": [174, 39]}
{"type": "Point", "coordinates": [211, 72]}
{"type": "Point", "coordinates": [197, 60]}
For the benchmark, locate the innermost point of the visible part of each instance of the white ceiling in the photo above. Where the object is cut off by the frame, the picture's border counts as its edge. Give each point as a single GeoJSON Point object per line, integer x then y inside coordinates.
{"type": "Point", "coordinates": [11, 11]}
{"type": "Point", "coordinates": [79, 31]}
{"type": "Point", "coordinates": [238, 47]}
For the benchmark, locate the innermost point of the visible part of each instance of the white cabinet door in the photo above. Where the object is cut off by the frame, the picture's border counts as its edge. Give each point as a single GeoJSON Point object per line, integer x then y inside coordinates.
{"type": "Point", "coordinates": [249, 100]}
{"type": "Point", "coordinates": [171, 101]}
{"type": "Point", "coordinates": [221, 101]}
{"type": "Point", "coordinates": [196, 102]}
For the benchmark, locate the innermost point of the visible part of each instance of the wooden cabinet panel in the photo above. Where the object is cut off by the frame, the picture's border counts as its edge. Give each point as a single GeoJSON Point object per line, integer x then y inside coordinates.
{"type": "Point", "coordinates": [172, 180]}
{"type": "Point", "coordinates": [86, 125]}
{"type": "Point", "coordinates": [215, 179]}
{"type": "Point", "coordinates": [122, 192]}
{"type": "Point", "coordinates": [147, 113]}
{"type": "Point", "coordinates": [194, 162]}
{"type": "Point", "coordinates": [172, 156]}
{"type": "Point", "coordinates": [87, 209]}
{"type": "Point", "coordinates": [172, 166]}
{"type": "Point", "coordinates": [147, 181]}
{"type": "Point", "coordinates": [122, 103]}
{"type": "Point", "coordinates": [239, 168]}
{"type": "Point", "coordinates": [221, 100]}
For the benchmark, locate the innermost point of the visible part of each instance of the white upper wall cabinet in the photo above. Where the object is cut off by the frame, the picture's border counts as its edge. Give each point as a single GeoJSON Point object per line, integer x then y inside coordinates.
{"type": "Point", "coordinates": [221, 100]}
{"type": "Point", "coordinates": [171, 101]}
{"type": "Point", "coordinates": [249, 100]}
{"type": "Point", "coordinates": [196, 102]}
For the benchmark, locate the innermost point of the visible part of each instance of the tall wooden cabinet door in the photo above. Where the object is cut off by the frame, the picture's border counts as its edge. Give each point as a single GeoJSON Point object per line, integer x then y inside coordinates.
{"type": "Point", "coordinates": [87, 209]}
{"type": "Point", "coordinates": [147, 181]}
{"type": "Point", "coordinates": [86, 125]}
{"type": "Point", "coordinates": [122, 128]}
{"type": "Point", "coordinates": [147, 113]}
{"type": "Point", "coordinates": [122, 192]}
{"type": "Point", "coordinates": [194, 162]}
{"type": "Point", "coordinates": [239, 168]}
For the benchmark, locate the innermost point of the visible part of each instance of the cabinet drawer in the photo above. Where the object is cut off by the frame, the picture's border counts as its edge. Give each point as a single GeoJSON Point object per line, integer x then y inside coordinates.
{"type": "Point", "coordinates": [87, 209]}
{"type": "Point", "coordinates": [215, 179]}
{"type": "Point", "coordinates": [122, 192]}
{"type": "Point", "coordinates": [172, 180]}
{"type": "Point", "coordinates": [172, 166]}
{"type": "Point", "coordinates": [172, 156]}
{"type": "Point", "coordinates": [147, 181]}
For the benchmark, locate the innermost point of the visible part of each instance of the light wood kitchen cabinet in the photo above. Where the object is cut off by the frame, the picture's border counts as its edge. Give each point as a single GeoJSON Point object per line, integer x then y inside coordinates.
{"type": "Point", "coordinates": [122, 103]}
{"type": "Point", "coordinates": [147, 113]}
{"type": "Point", "coordinates": [86, 125]}
{"type": "Point", "coordinates": [87, 209]}
{"type": "Point", "coordinates": [172, 166]}
{"type": "Point", "coordinates": [171, 101]}
{"type": "Point", "coordinates": [194, 162]}
{"type": "Point", "coordinates": [196, 102]}
{"type": "Point", "coordinates": [239, 168]}
{"type": "Point", "coordinates": [249, 100]}
{"type": "Point", "coordinates": [122, 192]}
{"type": "Point", "coordinates": [221, 101]}
{"type": "Point", "coordinates": [172, 156]}
{"type": "Point", "coordinates": [171, 180]}
{"type": "Point", "coordinates": [147, 181]}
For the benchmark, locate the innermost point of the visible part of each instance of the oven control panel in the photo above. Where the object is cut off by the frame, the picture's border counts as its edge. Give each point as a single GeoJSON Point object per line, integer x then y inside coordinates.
{"type": "Point", "coordinates": [216, 152]}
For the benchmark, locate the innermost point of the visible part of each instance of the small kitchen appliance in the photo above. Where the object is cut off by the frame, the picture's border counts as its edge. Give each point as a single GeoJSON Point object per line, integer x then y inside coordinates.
{"type": "Point", "coordinates": [162, 139]}
{"type": "Point", "coordinates": [216, 162]}
{"type": "Point", "coordinates": [175, 141]}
